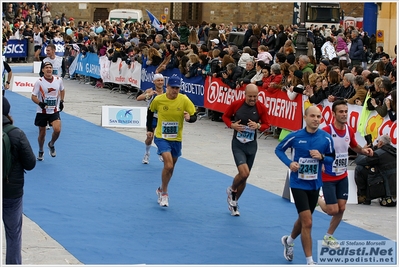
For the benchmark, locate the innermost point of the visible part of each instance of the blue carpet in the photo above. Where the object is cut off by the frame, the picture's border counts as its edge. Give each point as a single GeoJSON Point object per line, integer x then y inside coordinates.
{"type": "Point", "coordinates": [22, 69]}
{"type": "Point", "coordinates": [98, 200]}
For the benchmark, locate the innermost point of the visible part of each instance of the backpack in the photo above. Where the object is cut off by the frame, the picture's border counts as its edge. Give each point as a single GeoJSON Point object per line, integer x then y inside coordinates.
{"type": "Point", "coordinates": [7, 148]}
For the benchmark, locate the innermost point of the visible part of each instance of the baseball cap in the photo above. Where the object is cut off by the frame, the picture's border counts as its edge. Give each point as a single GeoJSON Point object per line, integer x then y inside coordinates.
{"type": "Point", "coordinates": [325, 62]}
{"type": "Point", "coordinates": [174, 81]}
{"type": "Point", "coordinates": [216, 41]}
{"type": "Point", "coordinates": [47, 64]}
{"type": "Point", "coordinates": [157, 76]}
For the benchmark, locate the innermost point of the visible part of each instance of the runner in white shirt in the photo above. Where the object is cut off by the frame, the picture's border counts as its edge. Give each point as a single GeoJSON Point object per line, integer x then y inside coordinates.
{"type": "Point", "coordinates": [48, 93]}
{"type": "Point", "coordinates": [56, 61]}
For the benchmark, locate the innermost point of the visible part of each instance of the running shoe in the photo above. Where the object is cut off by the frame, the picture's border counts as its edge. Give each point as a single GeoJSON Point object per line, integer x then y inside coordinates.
{"type": "Point", "coordinates": [234, 211]}
{"type": "Point", "coordinates": [159, 194]}
{"type": "Point", "coordinates": [312, 263]}
{"type": "Point", "coordinates": [331, 242]}
{"type": "Point", "coordinates": [288, 249]}
{"type": "Point", "coordinates": [40, 157]}
{"type": "Point", "coordinates": [231, 197]}
{"type": "Point", "coordinates": [52, 150]}
{"type": "Point", "coordinates": [160, 158]}
{"type": "Point", "coordinates": [146, 159]}
{"type": "Point", "coordinates": [164, 200]}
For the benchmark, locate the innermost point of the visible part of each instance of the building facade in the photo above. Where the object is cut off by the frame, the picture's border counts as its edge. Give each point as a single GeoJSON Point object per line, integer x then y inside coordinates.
{"type": "Point", "coordinates": [271, 13]}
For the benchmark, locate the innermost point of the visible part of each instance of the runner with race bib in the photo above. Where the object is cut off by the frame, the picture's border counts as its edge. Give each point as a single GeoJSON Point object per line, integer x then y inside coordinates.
{"type": "Point", "coordinates": [245, 117]}
{"type": "Point", "coordinates": [173, 109]}
{"type": "Point", "coordinates": [335, 176]}
{"type": "Point", "coordinates": [310, 148]}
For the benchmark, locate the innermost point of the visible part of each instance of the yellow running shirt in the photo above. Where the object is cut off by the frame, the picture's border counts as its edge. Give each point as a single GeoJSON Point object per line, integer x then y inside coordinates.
{"type": "Point", "coordinates": [171, 115]}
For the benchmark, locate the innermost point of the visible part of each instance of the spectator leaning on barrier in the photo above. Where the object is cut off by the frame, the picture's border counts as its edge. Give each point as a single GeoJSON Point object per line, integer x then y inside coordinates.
{"type": "Point", "coordinates": [333, 85]}
{"type": "Point", "coordinates": [381, 165]}
{"type": "Point", "coordinates": [315, 90]}
{"type": "Point", "coordinates": [231, 75]}
{"type": "Point", "coordinates": [247, 73]}
{"type": "Point", "coordinates": [386, 88]}
{"type": "Point", "coordinates": [361, 92]}
{"type": "Point", "coordinates": [259, 66]}
{"type": "Point", "coordinates": [346, 89]}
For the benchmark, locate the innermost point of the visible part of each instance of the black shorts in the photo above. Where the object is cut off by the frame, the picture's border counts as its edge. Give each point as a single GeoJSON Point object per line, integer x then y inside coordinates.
{"type": "Point", "coordinates": [244, 153]}
{"type": "Point", "coordinates": [305, 199]}
{"type": "Point", "coordinates": [42, 120]}
{"type": "Point", "coordinates": [335, 190]}
{"type": "Point", "coordinates": [38, 47]}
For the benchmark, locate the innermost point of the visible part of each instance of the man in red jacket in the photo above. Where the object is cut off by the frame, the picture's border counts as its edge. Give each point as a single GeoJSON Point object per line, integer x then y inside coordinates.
{"type": "Point", "coordinates": [245, 117]}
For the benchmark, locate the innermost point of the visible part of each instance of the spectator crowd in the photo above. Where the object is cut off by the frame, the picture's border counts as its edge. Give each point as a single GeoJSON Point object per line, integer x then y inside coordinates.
{"type": "Point", "coordinates": [335, 66]}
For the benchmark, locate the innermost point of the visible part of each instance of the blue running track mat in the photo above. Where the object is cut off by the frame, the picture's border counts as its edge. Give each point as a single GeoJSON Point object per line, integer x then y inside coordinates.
{"type": "Point", "coordinates": [98, 200]}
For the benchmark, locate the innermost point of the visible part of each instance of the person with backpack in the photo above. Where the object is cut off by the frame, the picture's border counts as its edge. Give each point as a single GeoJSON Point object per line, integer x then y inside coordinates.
{"type": "Point", "coordinates": [18, 156]}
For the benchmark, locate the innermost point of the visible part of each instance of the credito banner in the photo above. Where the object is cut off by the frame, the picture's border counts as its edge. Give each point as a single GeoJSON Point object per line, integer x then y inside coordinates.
{"type": "Point", "coordinates": [283, 112]}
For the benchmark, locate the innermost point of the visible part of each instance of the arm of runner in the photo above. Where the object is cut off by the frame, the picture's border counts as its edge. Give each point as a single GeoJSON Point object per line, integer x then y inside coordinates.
{"type": "Point", "coordinates": [150, 116]}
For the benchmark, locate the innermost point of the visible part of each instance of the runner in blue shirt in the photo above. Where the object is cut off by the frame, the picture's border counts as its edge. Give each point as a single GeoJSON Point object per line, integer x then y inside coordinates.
{"type": "Point", "coordinates": [311, 147]}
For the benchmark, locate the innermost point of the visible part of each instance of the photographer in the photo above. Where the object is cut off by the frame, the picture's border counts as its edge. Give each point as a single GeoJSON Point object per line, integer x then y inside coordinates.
{"type": "Point", "coordinates": [231, 75]}
{"type": "Point", "coordinates": [379, 167]}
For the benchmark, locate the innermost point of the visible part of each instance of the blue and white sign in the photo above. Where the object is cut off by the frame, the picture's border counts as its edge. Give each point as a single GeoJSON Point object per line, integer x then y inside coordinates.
{"type": "Point", "coordinates": [16, 48]}
{"type": "Point", "coordinates": [114, 116]}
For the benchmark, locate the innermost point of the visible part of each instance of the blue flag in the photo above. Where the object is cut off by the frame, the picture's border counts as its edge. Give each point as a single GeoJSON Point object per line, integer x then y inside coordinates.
{"type": "Point", "coordinates": [155, 22]}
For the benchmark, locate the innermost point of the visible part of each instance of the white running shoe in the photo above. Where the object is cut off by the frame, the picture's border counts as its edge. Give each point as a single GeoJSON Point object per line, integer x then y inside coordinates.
{"type": "Point", "coordinates": [234, 211]}
{"type": "Point", "coordinates": [331, 242]}
{"type": "Point", "coordinates": [146, 159]}
{"type": "Point", "coordinates": [288, 249]}
{"type": "Point", "coordinates": [231, 197]}
{"type": "Point", "coordinates": [164, 200]}
{"type": "Point", "coordinates": [159, 194]}
{"type": "Point", "coordinates": [160, 158]}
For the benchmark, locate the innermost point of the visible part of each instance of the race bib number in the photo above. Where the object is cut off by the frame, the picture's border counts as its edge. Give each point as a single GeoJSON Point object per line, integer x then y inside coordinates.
{"type": "Point", "coordinates": [340, 163]}
{"type": "Point", "coordinates": [51, 102]}
{"type": "Point", "coordinates": [55, 72]}
{"type": "Point", "coordinates": [308, 168]}
{"type": "Point", "coordinates": [246, 136]}
{"type": "Point", "coordinates": [170, 129]}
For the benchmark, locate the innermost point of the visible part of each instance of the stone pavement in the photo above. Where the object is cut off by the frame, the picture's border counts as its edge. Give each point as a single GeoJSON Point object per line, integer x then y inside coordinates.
{"type": "Point", "coordinates": [205, 142]}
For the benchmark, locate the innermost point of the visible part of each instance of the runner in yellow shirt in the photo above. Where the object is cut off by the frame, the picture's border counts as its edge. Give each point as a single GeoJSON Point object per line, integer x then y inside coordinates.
{"type": "Point", "coordinates": [172, 108]}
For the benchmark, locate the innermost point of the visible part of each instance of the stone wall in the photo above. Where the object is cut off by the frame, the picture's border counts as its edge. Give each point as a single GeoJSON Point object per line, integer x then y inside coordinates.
{"type": "Point", "coordinates": [219, 12]}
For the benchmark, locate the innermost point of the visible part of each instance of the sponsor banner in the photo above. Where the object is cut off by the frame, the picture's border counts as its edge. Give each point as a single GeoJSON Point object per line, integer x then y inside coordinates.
{"type": "Point", "coordinates": [193, 87]}
{"type": "Point", "coordinates": [104, 69]}
{"type": "Point", "coordinates": [133, 117]}
{"type": "Point", "coordinates": [121, 73]}
{"type": "Point", "coordinates": [357, 252]}
{"type": "Point", "coordinates": [375, 124]}
{"type": "Point", "coordinates": [22, 83]}
{"type": "Point", "coordinates": [59, 48]}
{"type": "Point", "coordinates": [88, 65]}
{"type": "Point", "coordinates": [16, 48]}
{"type": "Point", "coordinates": [283, 112]}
